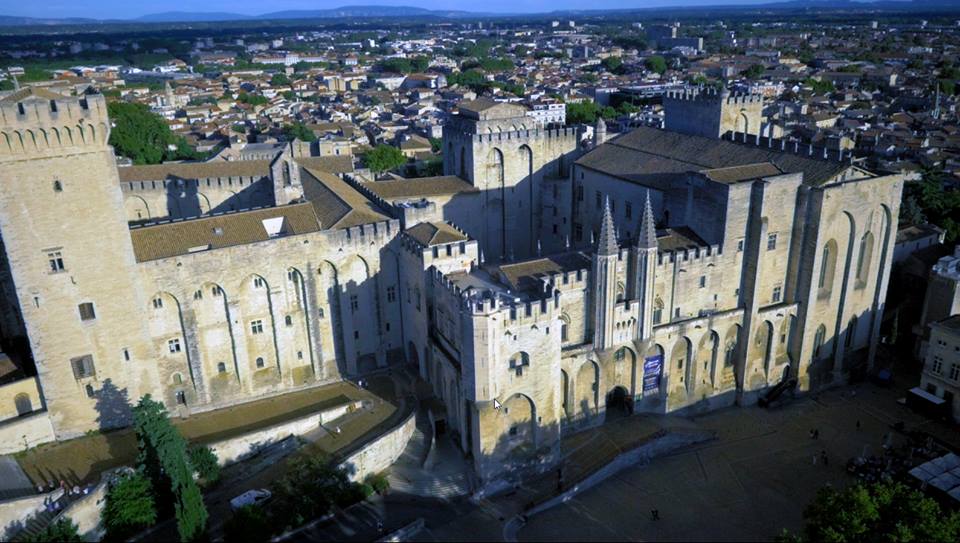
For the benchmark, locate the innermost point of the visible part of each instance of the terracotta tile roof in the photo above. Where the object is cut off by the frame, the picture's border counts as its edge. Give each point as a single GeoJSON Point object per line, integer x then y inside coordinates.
{"type": "Point", "coordinates": [329, 164]}
{"type": "Point", "coordinates": [337, 204]}
{"type": "Point", "coordinates": [650, 155]}
{"type": "Point", "coordinates": [429, 234]}
{"type": "Point", "coordinates": [525, 276]}
{"type": "Point", "coordinates": [746, 172]}
{"type": "Point", "coordinates": [214, 232]}
{"type": "Point", "coordinates": [420, 187]}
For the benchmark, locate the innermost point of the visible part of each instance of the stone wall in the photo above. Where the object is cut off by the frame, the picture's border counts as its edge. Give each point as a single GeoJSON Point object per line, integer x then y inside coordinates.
{"type": "Point", "coordinates": [14, 513]}
{"type": "Point", "coordinates": [25, 432]}
{"type": "Point", "coordinates": [241, 447]}
{"type": "Point", "coordinates": [17, 396]}
{"type": "Point", "coordinates": [382, 452]}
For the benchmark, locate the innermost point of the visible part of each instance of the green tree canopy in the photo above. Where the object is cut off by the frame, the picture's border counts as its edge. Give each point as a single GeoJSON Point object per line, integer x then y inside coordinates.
{"type": "Point", "coordinates": [930, 200]}
{"type": "Point", "coordinates": [878, 512]}
{"type": "Point", "coordinates": [163, 459]}
{"type": "Point", "coordinates": [129, 508]}
{"type": "Point", "coordinates": [582, 113]}
{"type": "Point", "coordinates": [754, 71]}
{"type": "Point", "coordinates": [62, 530]}
{"type": "Point", "coordinates": [249, 523]}
{"type": "Point", "coordinates": [205, 462]}
{"type": "Point", "coordinates": [613, 65]}
{"type": "Point", "coordinates": [143, 136]}
{"type": "Point", "coordinates": [279, 80]}
{"type": "Point", "coordinates": [299, 131]}
{"type": "Point", "coordinates": [313, 484]}
{"type": "Point", "coordinates": [656, 63]}
{"type": "Point", "coordinates": [384, 158]}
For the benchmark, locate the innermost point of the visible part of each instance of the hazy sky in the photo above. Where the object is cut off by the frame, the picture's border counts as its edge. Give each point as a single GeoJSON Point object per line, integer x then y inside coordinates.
{"type": "Point", "coordinates": [105, 9]}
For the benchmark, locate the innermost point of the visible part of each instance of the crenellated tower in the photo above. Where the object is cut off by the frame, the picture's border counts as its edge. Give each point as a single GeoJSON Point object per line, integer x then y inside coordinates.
{"type": "Point", "coordinates": [71, 260]}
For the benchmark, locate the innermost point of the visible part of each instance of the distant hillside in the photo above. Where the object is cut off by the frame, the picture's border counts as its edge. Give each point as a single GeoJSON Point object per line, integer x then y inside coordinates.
{"type": "Point", "coordinates": [409, 11]}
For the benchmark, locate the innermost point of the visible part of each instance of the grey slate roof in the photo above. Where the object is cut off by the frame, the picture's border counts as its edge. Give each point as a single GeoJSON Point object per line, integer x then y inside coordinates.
{"type": "Point", "coordinates": [651, 156]}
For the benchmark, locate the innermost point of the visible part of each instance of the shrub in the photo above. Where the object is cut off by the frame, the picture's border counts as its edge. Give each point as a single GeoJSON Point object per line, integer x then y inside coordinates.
{"type": "Point", "coordinates": [205, 464]}
{"type": "Point", "coordinates": [130, 507]}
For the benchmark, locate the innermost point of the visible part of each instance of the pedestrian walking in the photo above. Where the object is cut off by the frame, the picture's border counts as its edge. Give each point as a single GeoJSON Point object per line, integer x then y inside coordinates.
{"type": "Point", "coordinates": [816, 433]}
{"type": "Point", "coordinates": [655, 514]}
{"type": "Point", "coordinates": [814, 459]}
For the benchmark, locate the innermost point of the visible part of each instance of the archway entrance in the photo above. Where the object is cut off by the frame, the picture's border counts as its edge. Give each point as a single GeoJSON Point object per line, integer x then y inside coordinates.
{"type": "Point", "coordinates": [619, 404]}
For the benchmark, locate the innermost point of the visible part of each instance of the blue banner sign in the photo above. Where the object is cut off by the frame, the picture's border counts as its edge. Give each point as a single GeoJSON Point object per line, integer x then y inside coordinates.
{"type": "Point", "coordinates": [652, 367]}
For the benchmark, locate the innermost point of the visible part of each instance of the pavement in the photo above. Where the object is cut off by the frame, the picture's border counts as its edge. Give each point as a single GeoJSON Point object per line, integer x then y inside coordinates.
{"type": "Point", "coordinates": [749, 484]}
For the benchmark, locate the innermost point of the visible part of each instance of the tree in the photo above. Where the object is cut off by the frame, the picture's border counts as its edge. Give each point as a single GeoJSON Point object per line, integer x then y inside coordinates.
{"type": "Point", "coordinates": [582, 113]}
{"type": "Point", "coordinates": [312, 486]}
{"type": "Point", "coordinates": [249, 523]}
{"type": "Point", "coordinates": [656, 63]}
{"type": "Point", "coordinates": [279, 80]}
{"type": "Point", "coordinates": [384, 158]}
{"type": "Point", "coordinates": [163, 459]}
{"type": "Point", "coordinates": [298, 131]}
{"type": "Point", "coordinates": [753, 72]}
{"type": "Point", "coordinates": [130, 507]}
{"type": "Point", "coordinates": [143, 136]}
{"type": "Point", "coordinates": [62, 530]}
{"type": "Point", "coordinates": [205, 461]}
{"type": "Point", "coordinates": [879, 512]}
{"type": "Point", "coordinates": [613, 65]}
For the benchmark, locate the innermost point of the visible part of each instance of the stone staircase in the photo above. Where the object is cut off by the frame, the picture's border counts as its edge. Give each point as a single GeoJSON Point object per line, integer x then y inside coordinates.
{"type": "Point", "coordinates": [36, 524]}
{"type": "Point", "coordinates": [410, 474]}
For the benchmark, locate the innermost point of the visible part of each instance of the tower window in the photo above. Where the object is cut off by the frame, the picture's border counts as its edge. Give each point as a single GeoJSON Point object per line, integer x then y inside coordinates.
{"type": "Point", "coordinates": [703, 281]}
{"type": "Point", "coordinates": [181, 397]}
{"type": "Point", "coordinates": [157, 303]}
{"type": "Point", "coordinates": [57, 186]}
{"type": "Point", "coordinates": [86, 311]}
{"type": "Point", "coordinates": [771, 242]}
{"type": "Point", "coordinates": [56, 262]}
{"type": "Point", "coordinates": [258, 282]}
{"type": "Point", "coordinates": [776, 294]}
{"type": "Point", "coordinates": [391, 294]}
{"type": "Point", "coordinates": [89, 389]}
{"type": "Point", "coordinates": [83, 367]}
{"type": "Point", "coordinates": [259, 361]}
{"type": "Point", "coordinates": [354, 302]}
{"type": "Point", "coordinates": [221, 367]}
{"type": "Point", "coordinates": [288, 320]}
{"type": "Point", "coordinates": [173, 345]}
{"type": "Point", "coordinates": [126, 354]}
{"type": "Point", "coordinates": [256, 327]}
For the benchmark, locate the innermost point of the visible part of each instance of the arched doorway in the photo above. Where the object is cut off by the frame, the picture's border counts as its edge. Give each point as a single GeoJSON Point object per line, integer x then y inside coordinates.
{"type": "Point", "coordinates": [23, 404]}
{"type": "Point", "coordinates": [619, 404]}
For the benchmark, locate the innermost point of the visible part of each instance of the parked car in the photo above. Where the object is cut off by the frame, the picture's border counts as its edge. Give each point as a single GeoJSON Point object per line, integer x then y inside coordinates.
{"type": "Point", "coordinates": [250, 497]}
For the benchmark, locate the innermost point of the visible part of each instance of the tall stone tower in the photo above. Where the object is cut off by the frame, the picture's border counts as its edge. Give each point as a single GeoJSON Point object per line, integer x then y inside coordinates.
{"type": "Point", "coordinates": [71, 261]}
{"type": "Point", "coordinates": [605, 282]}
{"type": "Point", "coordinates": [500, 150]}
{"type": "Point", "coordinates": [711, 112]}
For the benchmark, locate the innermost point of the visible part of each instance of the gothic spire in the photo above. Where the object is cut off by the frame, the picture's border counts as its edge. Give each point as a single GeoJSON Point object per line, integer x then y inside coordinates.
{"type": "Point", "coordinates": [647, 236]}
{"type": "Point", "coordinates": [608, 238]}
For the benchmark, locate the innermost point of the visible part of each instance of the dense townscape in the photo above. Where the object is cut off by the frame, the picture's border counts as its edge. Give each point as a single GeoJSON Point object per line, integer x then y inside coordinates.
{"type": "Point", "coordinates": [387, 273]}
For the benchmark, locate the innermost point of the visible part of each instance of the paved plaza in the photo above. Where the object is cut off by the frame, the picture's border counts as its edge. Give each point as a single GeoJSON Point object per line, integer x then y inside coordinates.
{"type": "Point", "coordinates": [749, 484]}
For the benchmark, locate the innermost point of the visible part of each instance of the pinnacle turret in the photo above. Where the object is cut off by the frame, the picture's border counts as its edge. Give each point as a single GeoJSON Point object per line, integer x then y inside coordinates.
{"type": "Point", "coordinates": [647, 235]}
{"type": "Point", "coordinates": [608, 237]}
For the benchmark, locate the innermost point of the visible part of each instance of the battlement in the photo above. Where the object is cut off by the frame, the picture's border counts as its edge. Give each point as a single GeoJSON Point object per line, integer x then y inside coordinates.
{"type": "Point", "coordinates": [504, 136]}
{"type": "Point", "coordinates": [711, 95]}
{"type": "Point", "coordinates": [359, 237]}
{"type": "Point", "coordinates": [34, 122]}
{"type": "Point", "coordinates": [569, 280]}
{"type": "Point", "coordinates": [490, 302]}
{"type": "Point", "coordinates": [793, 146]}
{"type": "Point", "coordinates": [693, 255]}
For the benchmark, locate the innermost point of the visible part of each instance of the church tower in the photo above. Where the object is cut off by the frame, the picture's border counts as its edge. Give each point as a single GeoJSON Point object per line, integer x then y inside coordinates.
{"type": "Point", "coordinates": [605, 282]}
{"type": "Point", "coordinates": [67, 244]}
